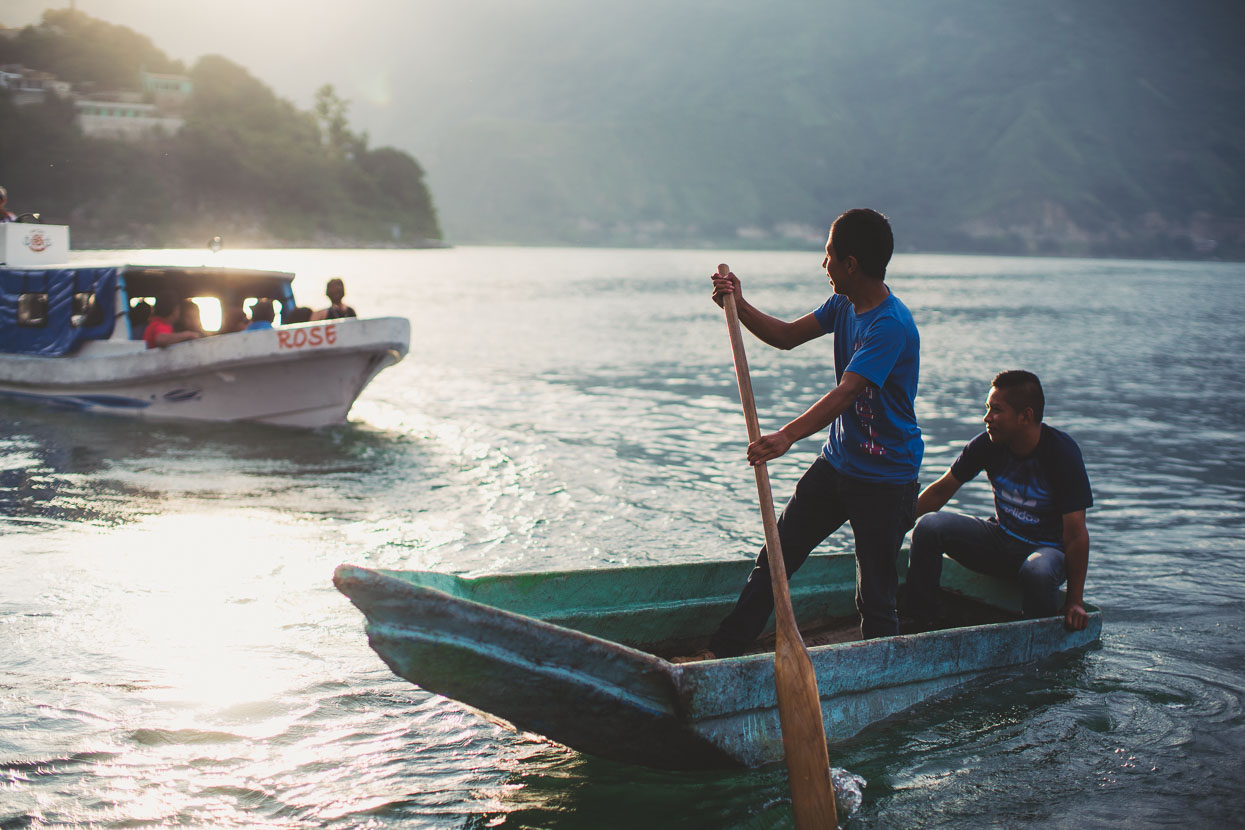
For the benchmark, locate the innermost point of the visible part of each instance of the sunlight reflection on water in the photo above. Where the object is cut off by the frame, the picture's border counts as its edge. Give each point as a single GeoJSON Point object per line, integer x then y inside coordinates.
{"type": "Point", "coordinates": [174, 651]}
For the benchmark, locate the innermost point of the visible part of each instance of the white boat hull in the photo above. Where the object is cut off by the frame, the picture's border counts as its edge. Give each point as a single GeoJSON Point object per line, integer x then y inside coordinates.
{"type": "Point", "coordinates": [305, 375]}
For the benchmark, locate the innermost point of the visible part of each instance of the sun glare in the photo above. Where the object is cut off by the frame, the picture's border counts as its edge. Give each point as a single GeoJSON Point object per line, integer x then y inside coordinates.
{"type": "Point", "coordinates": [209, 312]}
{"type": "Point", "coordinates": [205, 611]}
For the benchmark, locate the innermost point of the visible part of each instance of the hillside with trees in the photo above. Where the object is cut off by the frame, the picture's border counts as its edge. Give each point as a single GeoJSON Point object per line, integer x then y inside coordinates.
{"type": "Point", "coordinates": [246, 165]}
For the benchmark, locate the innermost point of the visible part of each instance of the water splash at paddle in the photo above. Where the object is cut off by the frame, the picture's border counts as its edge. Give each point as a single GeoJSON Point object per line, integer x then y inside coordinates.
{"type": "Point", "coordinates": [848, 792]}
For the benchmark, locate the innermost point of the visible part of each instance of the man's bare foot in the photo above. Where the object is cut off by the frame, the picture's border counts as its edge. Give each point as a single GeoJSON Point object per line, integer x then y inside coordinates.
{"type": "Point", "coordinates": [703, 654]}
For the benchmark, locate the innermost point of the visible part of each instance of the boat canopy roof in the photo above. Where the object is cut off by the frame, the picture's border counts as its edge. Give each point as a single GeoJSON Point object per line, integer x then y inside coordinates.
{"type": "Point", "coordinates": [203, 281]}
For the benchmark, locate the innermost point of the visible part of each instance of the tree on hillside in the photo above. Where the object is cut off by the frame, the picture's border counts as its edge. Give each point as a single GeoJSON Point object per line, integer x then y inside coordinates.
{"type": "Point", "coordinates": [80, 49]}
{"type": "Point", "coordinates": [396, 183]}
{"type": "Point", "coordinates": [330, 113]}
{"type": "Point", "coordinates": [246, 146]}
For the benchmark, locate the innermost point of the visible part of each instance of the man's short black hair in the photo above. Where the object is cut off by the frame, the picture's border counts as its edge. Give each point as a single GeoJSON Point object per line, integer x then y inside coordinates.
{"type": "Point", "coordinates": [865, 234]}
{"type": "Point", "coordinates": [1023, 391]}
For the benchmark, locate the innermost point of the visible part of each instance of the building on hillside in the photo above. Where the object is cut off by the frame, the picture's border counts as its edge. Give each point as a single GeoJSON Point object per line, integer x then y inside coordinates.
{"type": "Point", "coordinates": [30, 86]}
{"type": "Point", "coordinates": [125, 114]}
{"type": "Point", "coordinates": [168, 92]}
{"type": "Point", "coordinates": [109, 115]}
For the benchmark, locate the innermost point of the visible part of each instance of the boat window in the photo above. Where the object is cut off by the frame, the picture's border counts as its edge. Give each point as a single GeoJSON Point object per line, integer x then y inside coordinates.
{"type": "Point", "coordinates": [86, 312]}
{"type": "Point", "coordinates": [32, 310]}
{"type": "Point", "coordinates": [209, 312]}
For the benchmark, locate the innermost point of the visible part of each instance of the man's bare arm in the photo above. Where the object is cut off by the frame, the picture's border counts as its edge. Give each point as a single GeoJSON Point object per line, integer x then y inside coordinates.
{"type": "Point", "coordinates": [816, 418]}
{"type": "Point", "coordinates": [936, 495]}
{"type": "Point", "coordinates": [168, 338]}
{"type": "Point", "coordinates": [1076, 561]}
{"type": "Point", "coordinates": [768, 329]}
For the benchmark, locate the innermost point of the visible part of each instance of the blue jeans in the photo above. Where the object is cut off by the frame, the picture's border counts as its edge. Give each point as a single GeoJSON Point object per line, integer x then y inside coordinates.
{"type": "Point", "coordinates": [984, 547]}
{"type": "Point", "coordinates": [880, 514]}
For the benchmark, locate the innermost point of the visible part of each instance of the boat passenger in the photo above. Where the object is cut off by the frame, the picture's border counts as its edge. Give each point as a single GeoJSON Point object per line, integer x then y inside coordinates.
{"type": "Point", "coordinates": [161, 329]}
{"type": "Point", "coordinates": [140, 314]}
{"type": "Point", "coordinates": [5, 215]}
{"type": "Point", "coordinates": [233, 316]}
{"type": "Point", "coordinates": [299, 314]}
{"type": "Point", "coordinates": [261, 315]}
{"type": "Point", "coordinates": [1037, 534]}
{"type": "Point", "coordinates": [189, 318]}
{"type": "Point", "coordinates": [866, 471]}
{"type": "Point", "coordinates": [336, 292]}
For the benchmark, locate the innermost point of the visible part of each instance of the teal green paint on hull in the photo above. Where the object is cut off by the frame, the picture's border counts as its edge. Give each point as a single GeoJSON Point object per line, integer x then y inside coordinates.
{"type": "Point", "coordinates": [577, 656]}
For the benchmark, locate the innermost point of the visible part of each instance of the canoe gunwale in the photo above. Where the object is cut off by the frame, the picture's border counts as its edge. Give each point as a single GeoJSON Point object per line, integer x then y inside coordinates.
{"type": "Point", "coordinates": [605, 697]}
{"type": "Point", "coordinates": [359, 583]}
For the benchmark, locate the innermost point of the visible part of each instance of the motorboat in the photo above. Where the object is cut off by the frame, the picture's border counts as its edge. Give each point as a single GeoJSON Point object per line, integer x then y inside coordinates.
{"type": "Point", "coordinates": [71, 337]}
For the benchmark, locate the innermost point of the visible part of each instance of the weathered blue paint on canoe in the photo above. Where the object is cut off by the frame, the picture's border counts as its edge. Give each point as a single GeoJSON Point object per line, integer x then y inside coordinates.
{"type": "Point", "coordinates": [573, 655]}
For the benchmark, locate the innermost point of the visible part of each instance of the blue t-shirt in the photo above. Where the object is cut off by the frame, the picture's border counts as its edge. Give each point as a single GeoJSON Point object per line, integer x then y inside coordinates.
{"type": "Point", "coordinates": [1031, 494]}
{"type": "Point", "coordinates": [259, 325]}
{"type": "Point", "coordinates": [877, 438]}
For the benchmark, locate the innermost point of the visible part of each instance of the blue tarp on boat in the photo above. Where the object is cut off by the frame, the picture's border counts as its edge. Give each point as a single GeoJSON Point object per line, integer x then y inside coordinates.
{"type": "Point", "coordinates": [80, 306]}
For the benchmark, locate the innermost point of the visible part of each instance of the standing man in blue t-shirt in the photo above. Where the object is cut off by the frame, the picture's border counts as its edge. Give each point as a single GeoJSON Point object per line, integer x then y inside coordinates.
{"type": "Point", "coordinates": [866, 471]}
{"type": "Point", "coordinates": [1041, 492]}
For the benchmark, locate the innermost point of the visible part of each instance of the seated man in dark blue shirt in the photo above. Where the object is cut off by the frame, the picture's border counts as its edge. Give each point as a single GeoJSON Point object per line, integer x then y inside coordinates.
{"type": "Point", "coordinates": [1041, 492]}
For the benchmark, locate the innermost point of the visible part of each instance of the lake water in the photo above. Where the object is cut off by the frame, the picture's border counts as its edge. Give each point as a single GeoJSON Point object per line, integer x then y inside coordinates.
{"type": "Point", "coordinates": [172, 651]}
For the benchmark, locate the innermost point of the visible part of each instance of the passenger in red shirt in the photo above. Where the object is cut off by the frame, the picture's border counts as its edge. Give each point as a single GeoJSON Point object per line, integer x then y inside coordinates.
{"type": "Point", "coordinates": [160, 330]}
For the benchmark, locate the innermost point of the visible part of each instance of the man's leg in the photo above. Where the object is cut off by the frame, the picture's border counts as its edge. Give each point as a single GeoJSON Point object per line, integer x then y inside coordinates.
{"type": "Point", "coordinates": [1041, 574]}
{"type": "Point", "coordinates": [881, 515]}
{"type": "Point", "coordinates": [812, 514]}
{"type": "Point", "coordinates": [974, 543]}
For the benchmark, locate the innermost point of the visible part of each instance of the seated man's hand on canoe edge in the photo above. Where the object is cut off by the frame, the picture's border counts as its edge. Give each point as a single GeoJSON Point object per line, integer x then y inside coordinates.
{"type": "Point", "coordinates": [1075, 618]}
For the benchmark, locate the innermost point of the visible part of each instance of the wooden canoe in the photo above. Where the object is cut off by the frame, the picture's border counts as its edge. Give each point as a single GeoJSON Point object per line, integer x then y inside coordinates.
{"type": "Point", "coordinates": [580, 656]}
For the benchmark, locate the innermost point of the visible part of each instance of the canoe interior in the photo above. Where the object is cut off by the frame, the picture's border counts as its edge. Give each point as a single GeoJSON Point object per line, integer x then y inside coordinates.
{"type": "Point", "coordinates": [669, 610]}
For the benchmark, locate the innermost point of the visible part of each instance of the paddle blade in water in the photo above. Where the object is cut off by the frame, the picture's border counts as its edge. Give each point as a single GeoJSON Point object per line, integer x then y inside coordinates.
{"type": "Point", "coordinates": [803, 738]}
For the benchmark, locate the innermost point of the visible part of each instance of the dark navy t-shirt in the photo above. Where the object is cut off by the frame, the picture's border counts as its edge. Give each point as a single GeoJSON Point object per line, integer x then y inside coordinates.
{"type": "Point", "coordinates": [877, 438]}
{"type": "Point", "coordinates": [1032, 494]}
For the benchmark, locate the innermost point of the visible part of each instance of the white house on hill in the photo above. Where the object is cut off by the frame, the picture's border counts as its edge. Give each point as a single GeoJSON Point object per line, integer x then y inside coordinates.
{"type": "Point", "coordinates": [29, 86]}
{"type": "Point", "coordinates": [123, 119]}
{"type": "Point", "coordinates": [169, 92]}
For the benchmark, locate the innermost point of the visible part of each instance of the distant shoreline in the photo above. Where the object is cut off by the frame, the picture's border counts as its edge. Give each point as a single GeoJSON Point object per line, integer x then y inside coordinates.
{"type": "Point", "coordinates": [707, 247]}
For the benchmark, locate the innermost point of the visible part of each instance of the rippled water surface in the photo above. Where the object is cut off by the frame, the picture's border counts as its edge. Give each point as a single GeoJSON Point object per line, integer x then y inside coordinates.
{"type": "Point", "coordinates": [172, 650]}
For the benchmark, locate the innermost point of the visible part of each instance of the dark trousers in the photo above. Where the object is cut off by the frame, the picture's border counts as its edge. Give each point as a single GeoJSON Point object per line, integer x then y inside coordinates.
{"type": "Point", "coordinates": [880, 515]}
{"type": "Point", "coordinates": [986, 548]}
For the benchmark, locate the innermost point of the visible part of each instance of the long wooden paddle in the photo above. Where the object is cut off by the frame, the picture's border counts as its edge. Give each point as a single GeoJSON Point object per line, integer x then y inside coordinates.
{"type": "Point", "coordinates": [799, 704]}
